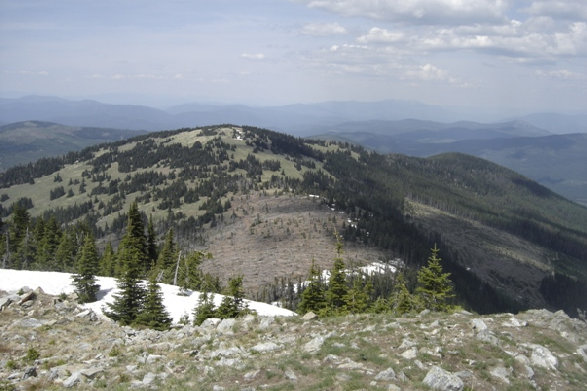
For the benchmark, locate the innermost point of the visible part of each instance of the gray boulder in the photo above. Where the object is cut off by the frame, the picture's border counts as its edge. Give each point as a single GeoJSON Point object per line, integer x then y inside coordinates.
{"type": "Point", "coordinates": [386, 375]}
{"type": "Point", "coordinates": [439, 379]}
{"type": "Point", "coordinates": [73, 380]}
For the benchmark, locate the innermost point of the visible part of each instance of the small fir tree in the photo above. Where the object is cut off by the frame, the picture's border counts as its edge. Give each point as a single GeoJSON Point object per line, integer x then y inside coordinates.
{"type": "Point", "coordinates": [167, 258]}
{"type": "Point", "coordinates": [153, 313]}
{"type": "Point", "coordinates": [401, 300]}
{"type": "Point", "coordinates": [151, 243]}
{"type": "Point", "coordinates": [128, 302]}
{"type": "Point", "coordinates": [313, 297]}
{"type": "Point", "coordinates": [190, 276]}
{"type": "Point", "coordinates": [85, 278]}
{"type": "Point", "coordinates": [232, 304]}
{"type": "Point", "coordinates": [107, 262]}
{"type": "Point", "coordinates": [434, 287]}
{"type": "Point", "coordinates": [204, 309]}
{"type": "Point", "coordinates": [358, 298]}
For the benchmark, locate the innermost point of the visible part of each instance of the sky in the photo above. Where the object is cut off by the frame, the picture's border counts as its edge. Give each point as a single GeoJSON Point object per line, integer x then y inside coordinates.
{"type": "Point", "coordinates": [526, 54]}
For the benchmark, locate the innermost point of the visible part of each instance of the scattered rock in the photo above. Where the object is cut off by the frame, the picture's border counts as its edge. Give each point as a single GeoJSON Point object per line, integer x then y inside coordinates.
{"type": "Point", "coordinates": [290, 375]}
{"type": "Point", "coordinates": [582, 351]}
{"type": "Point", "coordinates": [30, 295]}
{"type": "Point", "coordinates": [266, 347]}
{"type": "Point", "coordinates": [439, 379]}
{"type": "Point", "coordinates": [542, 357]}
{"type": "Point", "coordinates": [265, 322]}
{"type": "Point", "coordinates": [487, 337]}
{"type": "Point", "coordinates": [501, 373]}
{"type": "Point", "coordinates": [149, 378]}
{"type": "Point", "coordinates": [7, 300]}
{"type": "Point", "coordinates": [251, 375]}
{"type": "Point", "coordinates": [30, 322]}
{"type": "Point", "coordinates": [92, 372]}
{"type": "Point", "coordinates": [74, 379]}
{"type": "Point", "coordinates": [210, 323]}
{"type": "Point", "coordinates": [314, 345]}
{"type": "Point", "coordinates": [226, 326]}
{"type": "Point", "coordinates": [478, 325]}
{"type": "Point", "coordinates": [347, 363]}
{"type": "Point", "coordinates": [386, 375]}
{"type": "Point", "coordinates": [410, 354]}
{"type": "Point", "coordinates": [309, 316]}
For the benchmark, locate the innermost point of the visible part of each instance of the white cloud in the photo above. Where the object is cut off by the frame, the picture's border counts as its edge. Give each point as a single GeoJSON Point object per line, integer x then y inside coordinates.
{"type": "Point", "coordinates": [418, 11]}
{"type": "Point", "coordinates": [33, 73]}
{"type": "Point", "coordinates": [253, 56]}
{"type": "Point", "coordinates": [511, 40]}
{"type": "Point", "coordinates": [379, 35]}
{"type": "Point", "coordinates": [323, 29]}
{"type": "Point", "coordinates": [560, 74]}
{"type": "Point", "coordinates": [429, 72]}
{"type": "Point", "coordinates": [563, 9]}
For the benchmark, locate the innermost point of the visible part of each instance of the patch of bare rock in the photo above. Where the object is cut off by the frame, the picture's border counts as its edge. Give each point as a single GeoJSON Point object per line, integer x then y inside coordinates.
{"type": "Point", "coordinates": [49, 342]}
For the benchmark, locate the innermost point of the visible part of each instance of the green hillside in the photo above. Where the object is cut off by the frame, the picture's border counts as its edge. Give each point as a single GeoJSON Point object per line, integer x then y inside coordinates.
{"type": "Point", "coordinates": [24, 142]}
{"type": "Point", "coordinates": [244, 194]}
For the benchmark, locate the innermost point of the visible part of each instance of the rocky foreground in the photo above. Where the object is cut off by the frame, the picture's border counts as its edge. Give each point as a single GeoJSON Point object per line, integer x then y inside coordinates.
{"type": "Point", "coordinates": [50, 342]}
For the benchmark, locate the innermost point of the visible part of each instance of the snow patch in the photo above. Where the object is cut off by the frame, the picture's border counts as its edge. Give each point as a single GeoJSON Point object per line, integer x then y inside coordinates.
{"type": "Point", "coordinates": [55, 283]}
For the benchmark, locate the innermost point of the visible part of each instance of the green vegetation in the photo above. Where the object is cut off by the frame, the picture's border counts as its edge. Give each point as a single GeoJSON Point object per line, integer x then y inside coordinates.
{"type": "Point", "coordinates": [85, 278]}
{"type": "Point", "coordinates": [349, 293]}
{"type": "Point", "coordinates": [185, 181]}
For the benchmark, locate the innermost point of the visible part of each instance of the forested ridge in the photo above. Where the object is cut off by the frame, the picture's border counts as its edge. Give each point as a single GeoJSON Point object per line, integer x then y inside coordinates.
{"type": "Point", "coordinates": [186, 179]}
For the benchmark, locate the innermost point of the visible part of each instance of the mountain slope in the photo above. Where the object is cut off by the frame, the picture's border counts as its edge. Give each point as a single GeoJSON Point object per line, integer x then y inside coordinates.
{"type": "Point", "coordinates": [266, 203]}
{"type": "Point", "coordinates": [556, 161]}
{"type": "Point", "coordinates": [24, 142]}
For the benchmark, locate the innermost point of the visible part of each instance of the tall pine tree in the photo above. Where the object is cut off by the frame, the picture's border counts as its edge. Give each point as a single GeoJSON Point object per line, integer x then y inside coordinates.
{"type": "Point", "coordinates": [132, 258]}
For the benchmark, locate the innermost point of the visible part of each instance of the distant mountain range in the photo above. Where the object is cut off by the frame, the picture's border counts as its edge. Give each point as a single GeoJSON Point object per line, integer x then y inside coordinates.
{"type": "Point", "coordinates": [299, 119]}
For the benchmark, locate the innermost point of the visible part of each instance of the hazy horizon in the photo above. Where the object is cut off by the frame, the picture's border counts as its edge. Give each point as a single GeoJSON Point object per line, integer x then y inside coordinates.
{"type": "Point", "coordinates": [517, 56]}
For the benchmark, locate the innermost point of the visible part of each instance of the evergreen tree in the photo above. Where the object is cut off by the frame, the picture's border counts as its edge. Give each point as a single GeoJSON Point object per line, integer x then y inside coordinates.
{"type": "Point", "coordinates": [65, 253]}
{"type": "Point", "coordinates": [153, 313]}
{"type": "Point", "coordinates": [204, 309]}
{"type": "Point", "coordinates": [434, 287]}
{"type": "Point", "coordinates": [19, 226]}
{"type": "Point", "coordinates": [107, 261]}
{"type": "Point", "coordinates": [132, 259]}
{"type": "Point", "coordinates": [166, 262]}
{"type": "Point", "coordinates": [357, 299]}
{"type": "Point", "coordinates": [85, 278]}
{"type": "Point", "coordinates": [49, 240]}
{"type": "Point", "coordinates": [151, 243]}
{"type": "Point", "coordinates": [337, 288]}
{"type": "Point", "coordinates": [232, 304]}
{"type": "Point", "coordinates": [135, 233]}
{"type": "Point", "coordinates": [313, 297]}
{"type": "Point", "coordinates": [190, 275]}
{"type": "Point", "coordinates": [401, 300]}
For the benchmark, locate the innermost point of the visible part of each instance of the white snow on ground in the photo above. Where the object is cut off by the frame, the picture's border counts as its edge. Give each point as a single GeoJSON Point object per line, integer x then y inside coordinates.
{"type": "Point", "coordinates": [56, 283]}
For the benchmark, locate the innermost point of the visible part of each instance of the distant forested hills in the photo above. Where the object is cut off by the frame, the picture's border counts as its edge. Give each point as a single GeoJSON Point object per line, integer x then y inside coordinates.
{"type": "Point", "coordinates": [24, 142]}
{"type": "Point", "coordinates": [509, 242]}
{"type": "Point", "coordinates": [558, 161]}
